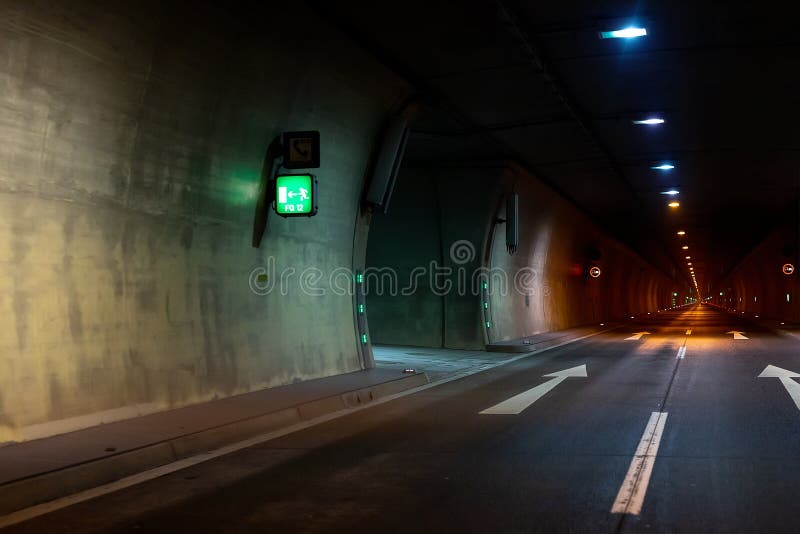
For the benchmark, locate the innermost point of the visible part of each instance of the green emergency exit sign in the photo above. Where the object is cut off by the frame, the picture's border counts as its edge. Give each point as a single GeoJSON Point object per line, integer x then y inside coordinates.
{"type": "Point", "coordinates": [296, 195]}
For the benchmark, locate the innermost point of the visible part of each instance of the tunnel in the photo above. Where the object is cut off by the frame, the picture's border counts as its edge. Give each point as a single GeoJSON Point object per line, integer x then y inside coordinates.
{"type": "Point", "coordinates": [284, 248]}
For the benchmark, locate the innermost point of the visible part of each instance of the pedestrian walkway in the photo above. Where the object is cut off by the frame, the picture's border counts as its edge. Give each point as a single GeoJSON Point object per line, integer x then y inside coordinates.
{"type": "Point", "coordinates": [440, 364]}
{"type": "Point", "coordinates": [36, 471]}
{"type": "Point", "coordinates": [42, 470]}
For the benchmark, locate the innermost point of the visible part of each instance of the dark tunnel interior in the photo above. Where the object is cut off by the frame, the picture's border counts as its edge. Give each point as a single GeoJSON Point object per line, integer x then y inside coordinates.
{"type": "Point", "coordinates": [217, 207]}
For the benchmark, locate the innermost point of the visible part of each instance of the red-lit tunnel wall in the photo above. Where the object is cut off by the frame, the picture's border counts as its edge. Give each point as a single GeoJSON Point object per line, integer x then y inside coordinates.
{"type": "Point", "coordinates": [758, 285]}
{"type": "Point", "coordinates": [560, 245]}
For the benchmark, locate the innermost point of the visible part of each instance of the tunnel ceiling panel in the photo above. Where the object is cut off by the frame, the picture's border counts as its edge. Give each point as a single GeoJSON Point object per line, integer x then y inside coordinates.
{"type": "Point", "coordinates": [536, 78]}
{"type": "Point", "coordinates": [527, 100]}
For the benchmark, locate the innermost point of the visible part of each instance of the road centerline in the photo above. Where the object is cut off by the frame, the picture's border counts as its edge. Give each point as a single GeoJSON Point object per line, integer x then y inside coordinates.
{"type": "Point", "coordinates": [630, 497]}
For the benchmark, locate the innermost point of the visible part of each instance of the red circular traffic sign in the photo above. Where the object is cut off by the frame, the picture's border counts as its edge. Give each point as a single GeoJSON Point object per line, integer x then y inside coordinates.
{"type": "Point", "coordinates": [595, 272]}
{"type": "Point", "coordinates": [787, 268]}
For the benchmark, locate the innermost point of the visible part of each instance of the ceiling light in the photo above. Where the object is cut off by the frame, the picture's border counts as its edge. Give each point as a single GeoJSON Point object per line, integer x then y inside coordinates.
{"type": "Point", "coordinates": [664, 167]}
{"type": "Point", "coordinates": [651, 120]}
{"type": "Point", "coordinates": [689, 263]}
{"type": "Point", "coordinates": [688, 257]}
{"type": "Point", "coordinates": [685, 247]}
{"type": "Point", "coordinates": [630, 32]}
{"type": "Point", "coordinates": [674, 204]}
{"type": "Point", "coordinates": [671, 192]}
{"type": "Point", "coordinates": [681, 232]}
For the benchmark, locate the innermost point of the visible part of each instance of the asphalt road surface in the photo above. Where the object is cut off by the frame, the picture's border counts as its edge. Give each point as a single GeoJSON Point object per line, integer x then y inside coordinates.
{"type": "Point", "coordinates": [668, 431]}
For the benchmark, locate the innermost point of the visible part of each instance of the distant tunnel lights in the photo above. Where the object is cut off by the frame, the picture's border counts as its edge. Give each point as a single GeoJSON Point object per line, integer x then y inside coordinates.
{"type": "Point", "coordinates": [631, 32]}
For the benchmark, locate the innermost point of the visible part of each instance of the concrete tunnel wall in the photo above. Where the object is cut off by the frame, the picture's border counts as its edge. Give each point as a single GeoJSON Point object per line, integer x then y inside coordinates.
{"type": "Point", "coordinates": [757, 286]}
{"type": "Point", "coordinates": [131, 143]}
{"type": "Point", "coordinates": [431, 212]}
{"type": "Point", "coordinates": [435, 210]}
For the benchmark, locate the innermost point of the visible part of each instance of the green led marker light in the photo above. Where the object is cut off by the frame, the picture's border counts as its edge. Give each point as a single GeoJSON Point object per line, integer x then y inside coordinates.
{"type": "Point", "coordinates": [295, 195]}
{"type": "Point", "coordinates": [359, 278]}
{"type": "Point", "coordinates": [363, 339]}
{"type": "Point", "coordinates": [360, 308]}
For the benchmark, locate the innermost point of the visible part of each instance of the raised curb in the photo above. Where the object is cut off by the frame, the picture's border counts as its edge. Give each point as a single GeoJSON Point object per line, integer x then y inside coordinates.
{"type": "Point", "coordinates": [518, 346]}
{"type": "Point", "coordinates": [30, 491]}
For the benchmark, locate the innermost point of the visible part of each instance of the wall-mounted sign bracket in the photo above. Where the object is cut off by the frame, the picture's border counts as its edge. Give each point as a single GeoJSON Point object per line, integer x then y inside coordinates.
{"type": "Point", "coordinates": [266, 190]}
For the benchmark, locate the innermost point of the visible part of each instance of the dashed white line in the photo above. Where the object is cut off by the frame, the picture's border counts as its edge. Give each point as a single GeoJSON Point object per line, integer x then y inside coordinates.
{"type": "Point", "coordinates": [681, 353]}
{"type": "Point", "coordinates": [632, 492]}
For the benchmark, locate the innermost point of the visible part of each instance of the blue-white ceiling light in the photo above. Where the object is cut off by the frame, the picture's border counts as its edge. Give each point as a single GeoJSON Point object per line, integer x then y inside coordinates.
{"type": "Point", "coordinates": [671, 192]}
{"type": "Point", "coordinates": [631, 32]}
{"type": "Point", "coordinates": [650, 120]}
{"type": "Point", "coordinates": [664, 167]}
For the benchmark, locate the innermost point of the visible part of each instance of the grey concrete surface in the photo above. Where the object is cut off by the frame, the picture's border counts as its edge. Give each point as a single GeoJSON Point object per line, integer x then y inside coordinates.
{"type": "Point", "coordinates": [437, 363]}
{"type": "Point", "coordinates": [42, 470]}
{"type": "Point", "coordinates": [441, 364]}
{"type": "Point", "coordinates": [131, 144]}
{"type": "Point", "coordinates": [430, 462]}
{"type": "Point", "coordinates": [398, 318]}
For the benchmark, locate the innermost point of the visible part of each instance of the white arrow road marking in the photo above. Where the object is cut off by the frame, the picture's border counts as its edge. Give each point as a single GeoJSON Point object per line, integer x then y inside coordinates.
{"type": "Point", "coordinates": [517, 403]}
{"type": "Point", "coordinates": [738, 335]}
{"type": "Point", "coordinates": [792, 387]}
{"type": "Point", "coordinates": [681, 353]}
{"type": "Point", "coordinates": [637, 335]}
{"type": "Point", "coordinates": [631, 494]}
{"type": "Point", "coordinates": [689, 332]}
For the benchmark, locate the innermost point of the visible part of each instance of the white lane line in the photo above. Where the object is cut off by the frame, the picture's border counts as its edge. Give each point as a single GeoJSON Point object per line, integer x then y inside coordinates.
{"type": "Point", "coordinates": [681, 353]}
{"type": "Point", "coordinates": [631, 494]}
{"type": "Point", "coordinates": [689, 332]}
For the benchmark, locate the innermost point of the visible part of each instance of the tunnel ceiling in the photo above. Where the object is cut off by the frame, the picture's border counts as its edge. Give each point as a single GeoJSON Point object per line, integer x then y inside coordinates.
{"type": "Point", "coordinates": [534, 82]}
